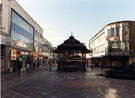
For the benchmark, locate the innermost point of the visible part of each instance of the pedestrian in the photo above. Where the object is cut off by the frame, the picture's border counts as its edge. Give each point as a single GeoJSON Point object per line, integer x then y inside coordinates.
{"type": "Point", "coordinates": [38, 64]}
{"type": "Point", "coordinates": [19, 65]}
{"type": "Point", "coordinates": [27, 67]}
{"type": "Point", "coordinates": [96, 64]}
{"type": "Point", "coordinates": [34, 64]}
{"type": "Point", "coordinates": [102, 64]}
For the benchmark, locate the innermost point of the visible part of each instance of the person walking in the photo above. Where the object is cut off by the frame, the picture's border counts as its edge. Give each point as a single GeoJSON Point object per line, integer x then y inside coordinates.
{"type": "Point", "coordinates": [19, 65]}
{"type": "Point", "coordinates": [34, 64]}
{"type": "Point", "coordinates": [38, 63]}
{"type": "Point", "coordinates": [27, 67]}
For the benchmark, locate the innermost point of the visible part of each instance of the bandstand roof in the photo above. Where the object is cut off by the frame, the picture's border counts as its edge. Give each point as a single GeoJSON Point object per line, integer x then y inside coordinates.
{"type": "Point", "coordinates": [71, 44]}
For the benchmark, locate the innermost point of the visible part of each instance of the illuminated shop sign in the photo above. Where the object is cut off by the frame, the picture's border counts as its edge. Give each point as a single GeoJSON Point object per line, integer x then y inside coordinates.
{"type": "Point", "coordinates": [13, 54]}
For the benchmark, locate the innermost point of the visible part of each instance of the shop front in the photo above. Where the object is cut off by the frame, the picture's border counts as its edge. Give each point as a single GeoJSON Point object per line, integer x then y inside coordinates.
{"type": "Point", "coordinates": [38, 59]}
{"type": "Point", "coordinates": [132, 60]}
{"type": "Point", "coordinates": [15, 54]}
{"type": "Point", "coordinates": [2, 57]}
{"type": "Point", "coordinates": [132, 57]}
{"type": "Point", "coordinates": [5, 54]}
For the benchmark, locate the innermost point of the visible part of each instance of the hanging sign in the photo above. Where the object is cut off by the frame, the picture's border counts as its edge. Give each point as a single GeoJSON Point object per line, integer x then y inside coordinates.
{"type": "Point", "coordinates": [13, 54]}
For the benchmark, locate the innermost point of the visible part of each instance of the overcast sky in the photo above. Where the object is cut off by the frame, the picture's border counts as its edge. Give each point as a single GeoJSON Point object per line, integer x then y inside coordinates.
{"type": "Point", "coordinates": [84, 18]}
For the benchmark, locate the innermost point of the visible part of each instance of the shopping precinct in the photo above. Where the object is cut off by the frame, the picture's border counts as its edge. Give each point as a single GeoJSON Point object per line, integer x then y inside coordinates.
{"type": "Point", "coordinates": [21, 36]}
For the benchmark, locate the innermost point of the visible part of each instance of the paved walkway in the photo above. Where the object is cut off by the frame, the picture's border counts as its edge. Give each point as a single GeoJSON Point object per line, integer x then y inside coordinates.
{"type": "Point", "coordinates": [45, 84]}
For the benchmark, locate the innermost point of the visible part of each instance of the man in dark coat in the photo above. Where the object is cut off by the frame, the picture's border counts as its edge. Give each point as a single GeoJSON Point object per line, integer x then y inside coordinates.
{"type": "Point", "coordinates": [19, 65]}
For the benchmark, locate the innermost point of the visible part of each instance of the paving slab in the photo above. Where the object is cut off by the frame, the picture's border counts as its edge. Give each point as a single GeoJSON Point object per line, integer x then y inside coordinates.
{"type": "Point", "coordinates": [43, 83]}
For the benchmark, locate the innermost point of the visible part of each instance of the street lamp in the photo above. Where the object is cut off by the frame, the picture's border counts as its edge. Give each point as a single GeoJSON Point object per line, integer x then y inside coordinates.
{"type": "Point", "coordinates": [91, 58]}
{"type": "Point", "coordinates": [109, 50]}
{"type": "Point", "coordinates": [50, 49]}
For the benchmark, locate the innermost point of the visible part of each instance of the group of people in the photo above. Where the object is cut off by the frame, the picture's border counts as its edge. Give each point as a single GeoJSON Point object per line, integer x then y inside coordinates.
{"type": "Point", "coordinates": [29, 66]}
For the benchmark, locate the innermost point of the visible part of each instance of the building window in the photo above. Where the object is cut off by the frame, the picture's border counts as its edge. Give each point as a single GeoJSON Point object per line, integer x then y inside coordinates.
{"type": "Point", "coordinates": [125, 30]}
{"type": "Point", "coordinates": [38, 34]}
{"type": "Point", "coordinates": [117, 31]}
{"type": "Point", "coordinates": [111, 32]}
{"type": "Point", "coordinates": [21, 31]}
{"type": "Point", "coordinates": [89, 45]}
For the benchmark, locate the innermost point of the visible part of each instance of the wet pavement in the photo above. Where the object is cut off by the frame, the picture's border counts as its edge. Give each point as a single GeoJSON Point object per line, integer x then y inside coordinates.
{"type": "Point", "coordinates": [42, 83]}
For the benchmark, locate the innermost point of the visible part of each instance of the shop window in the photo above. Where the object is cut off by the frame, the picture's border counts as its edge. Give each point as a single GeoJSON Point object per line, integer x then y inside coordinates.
{"type": "Point", "coordinates": [125, 30]}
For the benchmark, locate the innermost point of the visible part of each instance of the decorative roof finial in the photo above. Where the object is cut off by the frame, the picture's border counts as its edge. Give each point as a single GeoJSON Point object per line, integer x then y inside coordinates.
{"type": "Point", "coordinates": [71, 34]}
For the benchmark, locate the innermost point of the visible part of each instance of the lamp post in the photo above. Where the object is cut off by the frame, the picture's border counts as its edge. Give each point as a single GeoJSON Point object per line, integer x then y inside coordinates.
{"type": "Point", "coordinates": [102, 65]}
{"type": "Point", "coordinates": [110, 50]}
{"type": "Point", "coordinates": [50, 61]}
{"type": "Point", "coordinates": [92, 59]}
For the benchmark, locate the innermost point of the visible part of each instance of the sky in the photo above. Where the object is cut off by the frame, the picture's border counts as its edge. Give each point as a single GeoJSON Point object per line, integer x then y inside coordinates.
{"type": "Point", "coordinates": [84, 18]}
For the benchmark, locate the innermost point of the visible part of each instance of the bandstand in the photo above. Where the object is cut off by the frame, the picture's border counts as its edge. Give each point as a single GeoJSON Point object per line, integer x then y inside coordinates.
{"type": "Point", "coordinates": [71, 55]}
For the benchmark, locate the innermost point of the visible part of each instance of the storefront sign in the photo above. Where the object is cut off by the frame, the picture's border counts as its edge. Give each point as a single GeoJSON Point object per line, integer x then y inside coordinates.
{"type": "Point", "coordinates": [0, 1]}
{"type": "Point", "coordinates": [122, 53]}
{"type": "Point", "coordinates": [13, 55]}
{"type": "Point", "coordinates": [24, 57]}
{"type": "Point", "coordinates": [37, 55]}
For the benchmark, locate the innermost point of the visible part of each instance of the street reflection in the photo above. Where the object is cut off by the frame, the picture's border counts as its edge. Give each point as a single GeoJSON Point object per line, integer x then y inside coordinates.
{"type": "Point", "coordinates": [111, 93]}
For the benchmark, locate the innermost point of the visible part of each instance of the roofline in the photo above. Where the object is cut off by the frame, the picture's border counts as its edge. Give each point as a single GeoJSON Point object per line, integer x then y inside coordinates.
{"type": "Point", "coordinates": [47, 41]}
{"type": "Point", "coordinates": [27, 14]}
{"type": "Point", "coordinates": [111, 24]}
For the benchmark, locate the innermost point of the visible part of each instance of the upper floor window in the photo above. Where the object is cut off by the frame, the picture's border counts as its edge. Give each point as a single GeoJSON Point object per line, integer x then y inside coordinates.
{"type": "Point", "coordinates": [117, 31]}
{"type": "Point", "coordinates": [89, 45]}
{"type": "Point", "coordinates": [125, 30]}
{"type": "Point", "coordinates": [21, 31]}
{"type": "Point", "coordinates": [38, 34]}
{"type": "Point", "coordinates": [111, 32]}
